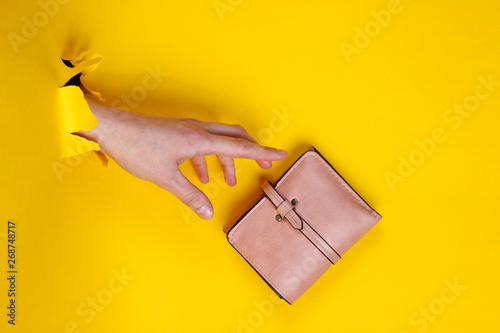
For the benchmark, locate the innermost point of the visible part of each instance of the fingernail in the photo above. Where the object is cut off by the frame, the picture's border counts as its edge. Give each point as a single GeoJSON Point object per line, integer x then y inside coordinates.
{"type": "Point", "coordinates": [205, 212]}
{"type": "Point", "coordinates": [282, 152]}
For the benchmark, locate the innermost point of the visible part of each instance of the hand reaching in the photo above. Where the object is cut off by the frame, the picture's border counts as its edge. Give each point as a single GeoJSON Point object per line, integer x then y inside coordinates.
{"type": "Point", "coordinates": [152, 148]}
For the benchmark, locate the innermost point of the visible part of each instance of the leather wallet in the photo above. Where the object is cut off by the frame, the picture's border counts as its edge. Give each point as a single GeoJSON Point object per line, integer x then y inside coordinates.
{"type": "Point", "coordinates": [301, 225]}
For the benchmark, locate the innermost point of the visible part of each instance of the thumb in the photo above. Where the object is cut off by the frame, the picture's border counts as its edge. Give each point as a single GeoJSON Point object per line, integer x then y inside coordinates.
{"type": "Point", "coordinates": [190, 195]}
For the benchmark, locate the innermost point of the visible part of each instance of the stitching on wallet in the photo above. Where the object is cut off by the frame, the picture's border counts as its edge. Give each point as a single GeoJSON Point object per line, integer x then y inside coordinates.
{"type": "Point", "coordinates": [294, 220]}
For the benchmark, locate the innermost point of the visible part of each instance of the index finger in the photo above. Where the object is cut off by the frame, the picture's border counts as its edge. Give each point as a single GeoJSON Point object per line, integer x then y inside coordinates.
{"type": "Point", "coordinates": [234, 131]}
{"type": "Point", "coordinates": [240, 148]}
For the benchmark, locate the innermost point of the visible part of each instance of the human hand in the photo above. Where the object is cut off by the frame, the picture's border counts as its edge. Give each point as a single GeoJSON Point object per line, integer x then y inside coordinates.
{"type": "Point", "coordinates": [152, 148]}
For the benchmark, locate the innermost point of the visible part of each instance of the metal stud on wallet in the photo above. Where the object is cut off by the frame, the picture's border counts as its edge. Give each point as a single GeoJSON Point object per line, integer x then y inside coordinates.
{"type": "Point", "coordinates": [301, 226]}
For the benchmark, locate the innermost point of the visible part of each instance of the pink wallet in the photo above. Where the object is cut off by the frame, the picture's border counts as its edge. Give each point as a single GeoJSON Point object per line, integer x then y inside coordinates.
{"type": "Point", "coordinates": [301, 226]}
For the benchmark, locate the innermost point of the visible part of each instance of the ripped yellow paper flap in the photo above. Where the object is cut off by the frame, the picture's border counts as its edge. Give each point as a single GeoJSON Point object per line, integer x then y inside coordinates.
{"type": "Point", "coordinates": [75, 112]}
{"type": "Point", "coordinates": [85, 63]}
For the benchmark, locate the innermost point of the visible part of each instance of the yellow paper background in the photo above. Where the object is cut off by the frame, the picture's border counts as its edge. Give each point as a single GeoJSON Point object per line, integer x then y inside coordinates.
{"type": "Point", "coordinates": [77, 230]}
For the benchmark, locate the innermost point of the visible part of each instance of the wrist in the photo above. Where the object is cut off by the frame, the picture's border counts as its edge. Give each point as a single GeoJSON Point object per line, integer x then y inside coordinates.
{"type": "Point", "coordinates": [107, 121]}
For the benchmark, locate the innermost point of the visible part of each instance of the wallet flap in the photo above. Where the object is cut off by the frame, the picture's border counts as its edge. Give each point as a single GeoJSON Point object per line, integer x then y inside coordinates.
{"type": "Point", "coordinates": [326, 201]}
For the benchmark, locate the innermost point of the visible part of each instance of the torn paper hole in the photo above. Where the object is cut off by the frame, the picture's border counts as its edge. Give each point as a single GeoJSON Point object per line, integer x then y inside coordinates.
{"type": "Point", "coordinates": [75, 112]}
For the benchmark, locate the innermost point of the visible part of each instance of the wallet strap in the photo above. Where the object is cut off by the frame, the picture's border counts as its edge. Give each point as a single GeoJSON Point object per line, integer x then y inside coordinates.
{"type": "Point", "coordinates": [286, 210]}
